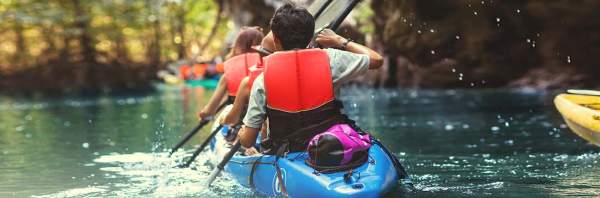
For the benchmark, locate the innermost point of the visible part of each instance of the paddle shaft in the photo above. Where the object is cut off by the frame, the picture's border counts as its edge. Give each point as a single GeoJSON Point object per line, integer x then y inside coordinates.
{"type": "Point", "coordinates": [223, 162]}
{"type": "Point", "coordinates": [188, 136]}
{"type": "Point", "coordinates": [202, 146]}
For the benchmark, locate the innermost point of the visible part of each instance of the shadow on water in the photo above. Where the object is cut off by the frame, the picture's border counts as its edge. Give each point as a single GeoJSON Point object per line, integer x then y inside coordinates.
{"type": "Point", "coordinates": [456, 143]}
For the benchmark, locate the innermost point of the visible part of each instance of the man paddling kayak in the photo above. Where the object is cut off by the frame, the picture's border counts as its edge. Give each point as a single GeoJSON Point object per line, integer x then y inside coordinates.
{"type": "Point", "coordinates": [297, 89]}
{"type": "Point", "coordinates": [238, 61]}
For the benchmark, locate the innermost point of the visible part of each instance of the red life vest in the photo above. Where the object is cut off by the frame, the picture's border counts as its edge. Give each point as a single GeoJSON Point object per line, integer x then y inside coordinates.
{"type": "Point", "coordinates": [185, 72]}
{"type": "Point", "coordinates": [236, 68]}
{"type": "Point", "coordinates": [300, 98]}
{"type": "Point", "coordinates": [298, 80]}
{"type": "Point", "coordinates": [255, 71]}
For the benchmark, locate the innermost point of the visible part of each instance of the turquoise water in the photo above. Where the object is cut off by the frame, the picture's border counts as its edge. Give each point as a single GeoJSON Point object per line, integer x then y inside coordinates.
{"type": "Point", "coordinates": [455, 143]}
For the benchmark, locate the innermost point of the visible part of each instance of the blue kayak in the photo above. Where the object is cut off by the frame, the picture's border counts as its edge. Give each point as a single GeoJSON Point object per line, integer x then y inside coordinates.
{"type": "Point", "coordinates": [372, 179]}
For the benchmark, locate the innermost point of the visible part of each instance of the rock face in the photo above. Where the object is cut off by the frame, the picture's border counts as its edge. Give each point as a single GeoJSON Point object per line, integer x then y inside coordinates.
{"type": "Point", "coordinates": [437, 43]}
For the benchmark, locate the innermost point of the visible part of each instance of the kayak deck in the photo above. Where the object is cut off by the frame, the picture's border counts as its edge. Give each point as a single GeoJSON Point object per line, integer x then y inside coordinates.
{"type": "Point", "coordinates": [582, 115]}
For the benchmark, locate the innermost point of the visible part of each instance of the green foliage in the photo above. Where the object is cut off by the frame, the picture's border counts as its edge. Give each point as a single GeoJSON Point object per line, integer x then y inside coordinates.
{"type": "Point", "coordinates": [39, 32]}
{"type": "Point", "coordinates": [364, 16]}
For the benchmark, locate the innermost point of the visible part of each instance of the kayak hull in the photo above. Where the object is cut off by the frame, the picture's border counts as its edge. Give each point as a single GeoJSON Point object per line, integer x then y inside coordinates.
{"type": "Point", "coordinates": [372, 179]}
{"type": "Point", "coordinates": [582, 115]}
{"type": "Point", "coordinates": [171, 79]}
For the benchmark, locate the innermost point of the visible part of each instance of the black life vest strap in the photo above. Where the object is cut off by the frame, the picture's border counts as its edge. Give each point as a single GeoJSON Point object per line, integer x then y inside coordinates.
{"type": "Point", "coordinates": [230, 100]}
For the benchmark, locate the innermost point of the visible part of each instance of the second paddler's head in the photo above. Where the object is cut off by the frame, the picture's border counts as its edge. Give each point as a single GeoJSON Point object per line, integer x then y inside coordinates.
{"type": "Point", "coordinates": [292, 27]}
{"type": "Point", "coordinates": [248, 37]}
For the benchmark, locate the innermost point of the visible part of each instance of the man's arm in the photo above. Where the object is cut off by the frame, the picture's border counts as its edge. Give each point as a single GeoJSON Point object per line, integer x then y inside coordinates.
{"type": "Point", "coordinates": [327, 38]}
{"type": "Point", "coordinates": [255, 115]}
{"type": "Point", "coordinates": [247, 136]}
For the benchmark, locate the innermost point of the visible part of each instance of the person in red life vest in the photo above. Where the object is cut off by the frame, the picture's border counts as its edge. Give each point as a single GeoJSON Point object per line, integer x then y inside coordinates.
{"type": "Point", "coordinates": [185, 72]}
{"type": "Point", "coordinates": [296, 91]}
{"type": "Point", "coordinates": [236, 67]}
{"type": "Point", "coordinates": [235, 113]}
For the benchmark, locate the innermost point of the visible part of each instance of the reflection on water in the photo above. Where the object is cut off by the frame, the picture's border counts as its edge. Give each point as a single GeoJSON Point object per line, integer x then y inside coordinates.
{"type": "Point", "coordinates": [456, 143]}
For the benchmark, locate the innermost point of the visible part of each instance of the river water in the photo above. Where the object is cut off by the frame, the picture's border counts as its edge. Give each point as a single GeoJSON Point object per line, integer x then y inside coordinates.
{"type": "Point", "coordinates": [455, 143]}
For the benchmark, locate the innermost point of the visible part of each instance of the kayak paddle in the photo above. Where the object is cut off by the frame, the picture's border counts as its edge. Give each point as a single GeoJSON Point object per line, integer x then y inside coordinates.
{"type": "Point", "coordinates": [584, 92]}
{"type": "Point", "coordinates": [221, 165]}
{"type": "Point", "coordinates": [189, 135]}
{"type": "Point", "coordinates": [201, 148]}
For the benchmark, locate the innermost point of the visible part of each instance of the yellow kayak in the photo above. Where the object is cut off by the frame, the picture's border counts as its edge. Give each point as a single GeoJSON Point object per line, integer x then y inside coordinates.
{"type": "Point", "coordinates": [582, 115]}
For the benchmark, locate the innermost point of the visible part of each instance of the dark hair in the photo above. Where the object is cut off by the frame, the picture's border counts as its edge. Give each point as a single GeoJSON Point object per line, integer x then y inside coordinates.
{"type": "Point", "coordinates": [293, 26]}
{"type": "Point", "coordinates": [248, 37]}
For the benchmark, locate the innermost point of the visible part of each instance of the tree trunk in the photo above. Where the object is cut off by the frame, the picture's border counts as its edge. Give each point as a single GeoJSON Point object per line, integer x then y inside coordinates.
{"type": "Point", "coordinates": [21, 52]}
{"type": "Point", "coordinates": [86, 42]}
{"type": "Point", "coordinates": [180, 31]}
{"type": "Point", "coordinates": [215, 27]}
{"type": "Point", "coordinates": [154, 50]}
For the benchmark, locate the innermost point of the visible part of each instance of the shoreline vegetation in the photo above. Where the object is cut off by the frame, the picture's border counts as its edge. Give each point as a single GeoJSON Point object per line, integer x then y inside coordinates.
{"type": "Point", "coordinates": [72, 46]}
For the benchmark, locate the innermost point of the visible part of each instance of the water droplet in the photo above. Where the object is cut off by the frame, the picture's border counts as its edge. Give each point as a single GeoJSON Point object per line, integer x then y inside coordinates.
{"type": "Point", "coordinates": [432, 31]}
{"type": "Point", "coordinates": [144, 116]}
{"type": "Point", "coordinates": [453, 70]}
{"type": "Point", "coordinates": [448, 127]}
{"type": "Point", "coordinates": [457, 37]}
{"type": "Point", "coordinates": [475, 13]}
{"type": "Point", "coordinates": [472, 84]}
{"type": "Point", "coordinates": [460, 74]}
{"type": "Point", "coordinates": [432, 52]}
{"type": "Point", "coordinates": [465, 126]}
{"type": "Point", "coordinates": [85, 145]}
{"type": "Point", "coordinates": [19, 128]}
{"type": "Point", "coordinates": [498, 19]}
{"type": "Point", "coordinates": [528, 40]}
{"type": "Point", "coordinates": [568, 59]}
{"type": "Point", "coordinates": [495, 128]}
{"type": "Point", "coordinates": [419, 31]}
{"type": "Point", "coordinates": [506, 124]}
{"type": "Point", "coordinates": [460, 78]}
{"type": "Point", "coordinates": [518, 11]}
